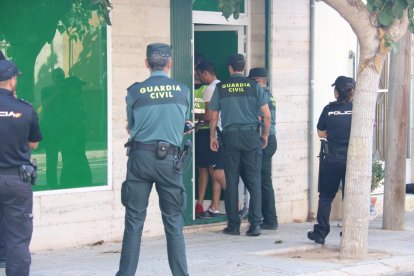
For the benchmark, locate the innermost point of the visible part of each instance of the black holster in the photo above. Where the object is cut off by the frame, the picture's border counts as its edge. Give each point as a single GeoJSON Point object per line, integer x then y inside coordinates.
{"type": "Point", "coordinates": [28, 173]}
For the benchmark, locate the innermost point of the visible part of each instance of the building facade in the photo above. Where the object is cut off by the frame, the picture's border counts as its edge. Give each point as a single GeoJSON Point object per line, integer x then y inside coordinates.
{"type": "Point", "coordinates": [77, 199]}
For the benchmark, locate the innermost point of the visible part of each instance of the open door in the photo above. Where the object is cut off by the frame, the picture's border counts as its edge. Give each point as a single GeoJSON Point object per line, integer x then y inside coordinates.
{"type": "Point", "coordinates": [215, 43]}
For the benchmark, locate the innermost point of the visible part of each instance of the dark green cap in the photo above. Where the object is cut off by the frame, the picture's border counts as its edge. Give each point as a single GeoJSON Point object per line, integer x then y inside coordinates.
{"type": "Point", "coordinates": [158, 49]}
{"type": "Point", "coordinates": [258, 72]}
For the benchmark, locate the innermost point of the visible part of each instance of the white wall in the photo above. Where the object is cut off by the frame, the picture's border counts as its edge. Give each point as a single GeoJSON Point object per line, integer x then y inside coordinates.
{"type": "Point", "coordinates": [290, 78]}
{"type": "Point", "coordinates": [334, 39]}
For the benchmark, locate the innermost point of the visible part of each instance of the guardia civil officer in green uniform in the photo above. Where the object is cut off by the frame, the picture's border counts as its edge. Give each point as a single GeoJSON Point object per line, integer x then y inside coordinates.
{"type": "Point", "coordinates": [157, 109]}
{"type": "Point", "coordinates": [239, 99]}
{"type": "Point", "coordinates": [260, 75]}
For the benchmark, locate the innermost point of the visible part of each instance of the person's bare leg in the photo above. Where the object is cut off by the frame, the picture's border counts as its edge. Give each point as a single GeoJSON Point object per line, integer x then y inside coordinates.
{"type": "Point", "coordinates": [202, 184]}
{"type": "Point", "coordinates": [218, 184]}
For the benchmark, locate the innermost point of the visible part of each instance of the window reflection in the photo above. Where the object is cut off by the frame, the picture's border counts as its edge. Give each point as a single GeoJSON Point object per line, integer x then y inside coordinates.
{"type": "Point", "coordinates": [64, 77]}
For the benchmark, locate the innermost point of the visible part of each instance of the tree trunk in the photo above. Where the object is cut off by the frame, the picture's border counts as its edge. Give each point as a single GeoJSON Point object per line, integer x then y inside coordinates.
{"type": "Point", "coordinates": [354, 242]}
{"type": "Point", "coordinates": [396, 136]}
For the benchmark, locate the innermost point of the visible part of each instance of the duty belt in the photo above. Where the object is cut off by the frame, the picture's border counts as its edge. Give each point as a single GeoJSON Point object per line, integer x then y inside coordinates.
{"type": "Point", "coordinates": [151, 147]}
{"type": "Point", "coordinates": [10, 171]}
{"type": "Point", "coordinates": [241, 128]}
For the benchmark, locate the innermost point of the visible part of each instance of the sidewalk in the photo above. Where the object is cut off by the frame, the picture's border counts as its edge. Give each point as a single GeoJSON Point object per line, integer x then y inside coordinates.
{"type": "Point", "coordinates": [209, 252]}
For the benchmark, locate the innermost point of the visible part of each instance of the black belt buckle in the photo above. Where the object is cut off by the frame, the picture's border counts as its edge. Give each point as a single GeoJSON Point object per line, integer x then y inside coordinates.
{"type": "Point", "coordinates": [162, 149]}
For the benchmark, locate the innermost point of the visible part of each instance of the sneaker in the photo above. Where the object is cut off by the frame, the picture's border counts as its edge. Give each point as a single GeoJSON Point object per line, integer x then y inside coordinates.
{"type": "Point", "coordinates": [316, 237]}
{"type": "Point", "coordinates": [211, 214]}
{"type": "Point", "coordinates": [199, 211]}
{"type": "Point", "coordinates": [243, 213]}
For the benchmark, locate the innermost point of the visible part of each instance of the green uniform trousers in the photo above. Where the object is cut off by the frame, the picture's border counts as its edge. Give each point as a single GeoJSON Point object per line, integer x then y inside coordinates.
{"type": "Point", "coordinates": [242, 150]}
{"type": "Point", "coordinates": [144, 168]}
{"type": "Point", "coordinates": [268, 194]}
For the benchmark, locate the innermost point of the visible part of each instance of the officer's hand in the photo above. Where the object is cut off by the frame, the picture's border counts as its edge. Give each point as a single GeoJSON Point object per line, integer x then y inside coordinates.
{"type": "Point", "coordinates": [264, 141]}
{"type": "Point", "coordinates": [188, 127]}
{"type": "Point", "coordinates": [214, 144]}
{"type": "Point", "coordinates": [127, 129]}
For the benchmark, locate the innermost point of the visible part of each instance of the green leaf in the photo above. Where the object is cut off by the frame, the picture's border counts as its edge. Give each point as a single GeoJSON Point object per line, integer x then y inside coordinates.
{"type": "Point", "coordinates": [410, 13]}
{"type": "Point", "coordinates": [370, 7]}
{"type": "Point", "coordinates": [398, 8]}
{"type": "Point", "coordinates": [386, 18]}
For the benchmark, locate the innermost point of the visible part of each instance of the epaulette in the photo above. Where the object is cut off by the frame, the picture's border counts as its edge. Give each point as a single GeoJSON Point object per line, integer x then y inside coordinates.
{"type": "Point", "coordinates": [133, 85]}
{"type": "Point", "coordinates": [24, 101]}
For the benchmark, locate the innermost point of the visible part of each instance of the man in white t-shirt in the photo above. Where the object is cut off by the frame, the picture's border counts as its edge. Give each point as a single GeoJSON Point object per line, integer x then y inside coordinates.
{"type": "Point", "coordinates": [207, 75]}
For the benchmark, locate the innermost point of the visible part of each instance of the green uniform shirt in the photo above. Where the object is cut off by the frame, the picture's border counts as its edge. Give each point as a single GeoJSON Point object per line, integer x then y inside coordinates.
{"type": "Point", "coordinates": [238, 99]}
{"type": "Point", "coordinates": [157, 109]}
{"type": "Point", "coordinates": [272, 107]}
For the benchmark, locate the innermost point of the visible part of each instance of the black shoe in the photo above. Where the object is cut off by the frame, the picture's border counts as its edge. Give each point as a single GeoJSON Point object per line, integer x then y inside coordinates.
{"type": "Point", "coordinates": [254, 231]}
{"type": "Point", "coordinates": [316, 238]}
{"type": "Point", "coordinates": [268, 226]}
{"type": "Point", "coordinates": [231, 230]}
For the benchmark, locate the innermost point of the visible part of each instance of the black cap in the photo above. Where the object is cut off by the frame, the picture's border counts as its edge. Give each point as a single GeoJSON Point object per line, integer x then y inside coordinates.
{"type": "Point", "coordinates": [258, 72]}
{"type": "Point", "coordinates": [8, 70]}
{"type": "Point", "coordinates": [235, 59]}
{"type": "Point", "coordinates": [344, 83]}
{"type": "Point", "coordinates": [158, 49]}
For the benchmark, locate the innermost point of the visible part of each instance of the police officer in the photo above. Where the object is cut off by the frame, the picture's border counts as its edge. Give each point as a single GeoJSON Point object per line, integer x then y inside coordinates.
{"type": "Point", "coordinates": [260, 75]}
{"type": "Point", "coordinates": [156, 112]}
{"type": "Point", "coordinates": [239, 100]}
{"type": "Point", "coordinates": [334, 125]}
{"type": "Point", "coordinates": [19, 134]}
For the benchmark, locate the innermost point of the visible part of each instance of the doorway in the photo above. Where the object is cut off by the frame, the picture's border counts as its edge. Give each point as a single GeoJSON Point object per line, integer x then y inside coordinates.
{"type": "Point", "coordinates": [215, 43]}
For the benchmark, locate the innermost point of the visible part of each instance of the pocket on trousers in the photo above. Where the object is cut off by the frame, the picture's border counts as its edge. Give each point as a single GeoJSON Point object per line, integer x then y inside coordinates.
{"type": "Point", "coordinates": [28, 220]}
{"type": "Point", "coordinates": [124, 193]}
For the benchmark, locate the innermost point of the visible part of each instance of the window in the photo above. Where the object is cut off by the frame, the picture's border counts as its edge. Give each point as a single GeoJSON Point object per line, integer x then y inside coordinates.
{"type": "Point", "coordinates": [65, 78]}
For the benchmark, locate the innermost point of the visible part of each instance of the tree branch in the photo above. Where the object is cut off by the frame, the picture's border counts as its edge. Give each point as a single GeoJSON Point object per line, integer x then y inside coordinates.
{"type": "Point", "coordinates": [398, 29]}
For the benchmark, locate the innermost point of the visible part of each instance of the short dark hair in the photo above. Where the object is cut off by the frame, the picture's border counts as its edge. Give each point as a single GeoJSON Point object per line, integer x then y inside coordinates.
{"type": "Point", "coordinates": [237, 62]}
{"type": "Point", "coordinates": [157, 63]}
{"type": "Point", "coordinates": [345, 95]}
{"type": "Point", "coordinates": [239, 66]}
{"type": "Point", "coordinates": [206, 66]}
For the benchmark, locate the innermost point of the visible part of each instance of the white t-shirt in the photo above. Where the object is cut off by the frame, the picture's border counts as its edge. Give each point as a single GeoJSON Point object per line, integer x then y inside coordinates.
{"type": "Point", "coordinates": [207, 94]}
